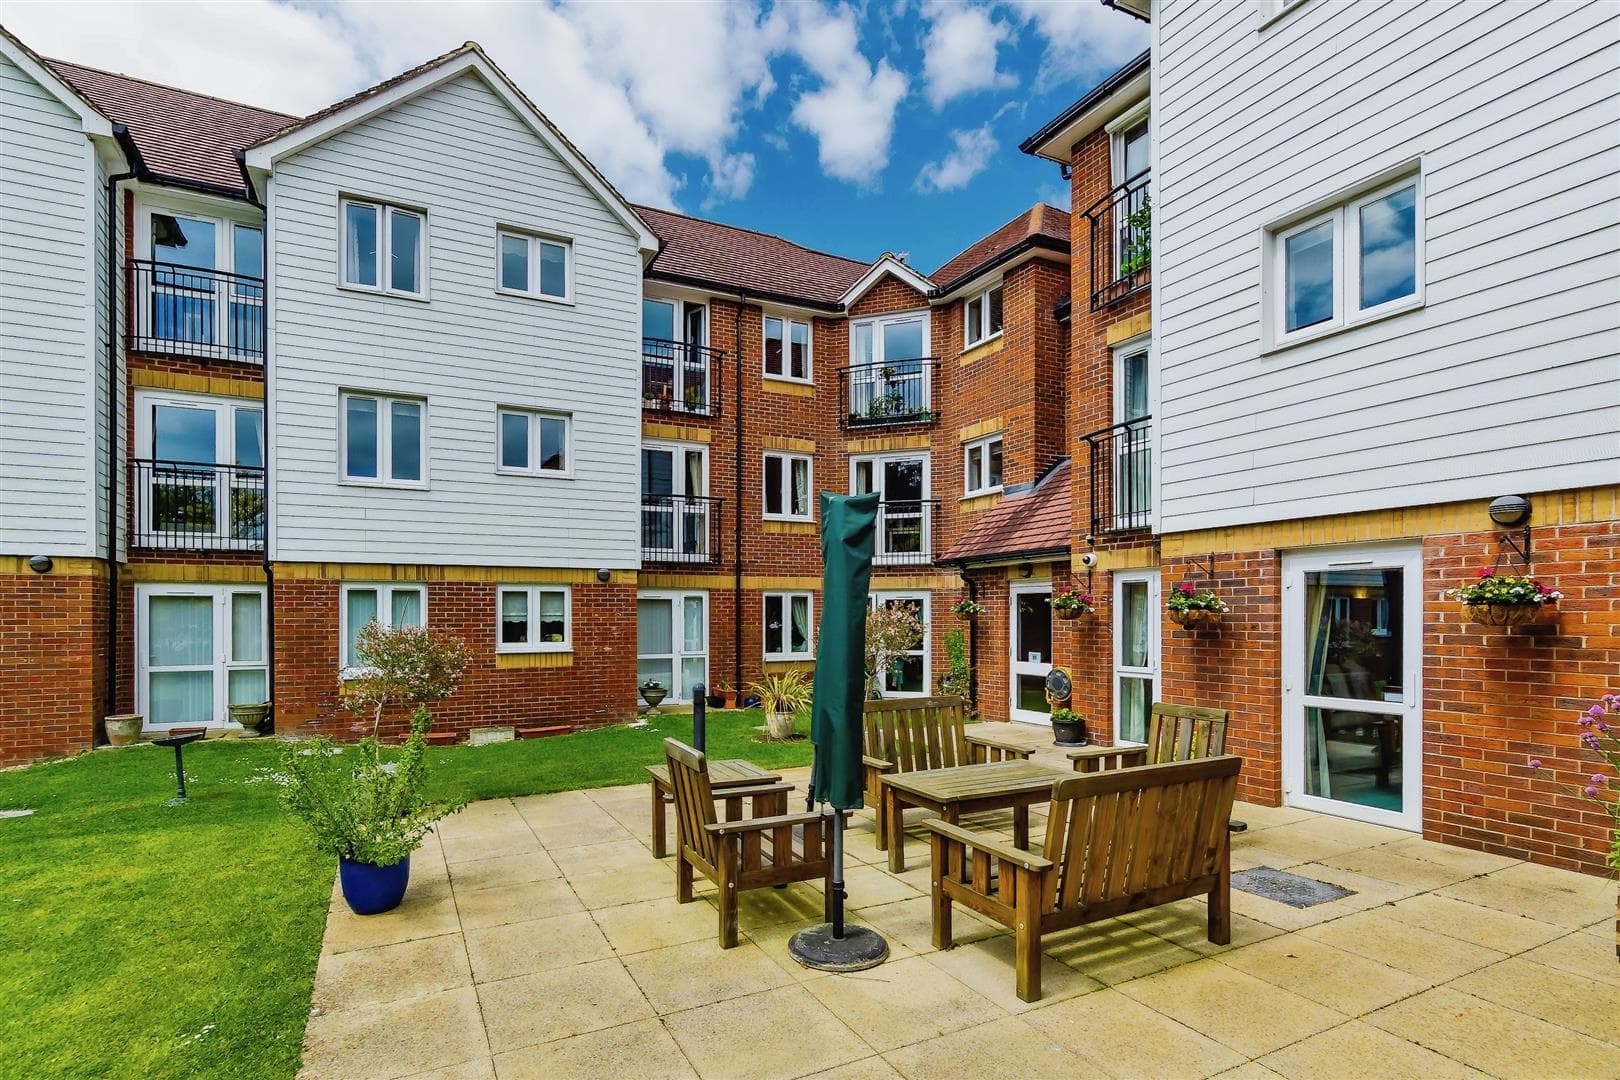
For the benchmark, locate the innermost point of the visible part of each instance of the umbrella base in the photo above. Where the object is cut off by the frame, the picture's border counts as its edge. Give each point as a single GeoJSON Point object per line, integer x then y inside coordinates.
{"type": "Point", "coordinates": [859, 949]}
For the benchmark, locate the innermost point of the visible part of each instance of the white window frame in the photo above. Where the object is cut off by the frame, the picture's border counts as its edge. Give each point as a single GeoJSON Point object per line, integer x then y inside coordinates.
{"type": "Point", "coordinates": [531, 290]}
{"type": "Point", "coordinates": [225, 410]}
{"type": "Point", "coordinates": [1272, 10]}
{"type": "Point", "coordinates": [1343, 212]}
{"type": "Point", "coordinates": [788, 460]}
{"type": "Point", "coordinates": [385, 435]}
{"type": "Point", "coordinates": [385, 232]}
{"type": "Point", "coordinates": [680, 690]}
{"type": "Point", "coordinates": [1117, 129]}
{"type": "Point", "coordinates": [1118, 670]}
{"type": "Point", "coordinates": [1141, 345]}
{"type": "Point", "coordinates": [224, 262]}
{"type": "Point", "coordinates": [924, 604]}
{"type": "Point", "coordinates": [385, 608]}
{"type": "Point", "coordinates": [222, 664]}
{"type": "Point", "coordinates": [787, 597]}
{"type": "Point", "coordinates": [533, 418]}
{"type": "Point", "coordinates": [880, 556]}
{"type": "Point", "coordinates": [532, 594]}
{"type": "Point", "coordinates": [788, 323]}
{"type": "Point", "coordinates": [982, 300]}
{"type": "Point", "coordinates": [981, 446]}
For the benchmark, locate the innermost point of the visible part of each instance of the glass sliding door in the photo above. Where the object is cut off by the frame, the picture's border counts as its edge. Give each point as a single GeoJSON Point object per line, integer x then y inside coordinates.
{"type": "Point", "coordinates": [1136, 652]}
{"type": "Point", "coordinates": [1031, 636]}
{"type": "Point", "coordinates": [198, 649]}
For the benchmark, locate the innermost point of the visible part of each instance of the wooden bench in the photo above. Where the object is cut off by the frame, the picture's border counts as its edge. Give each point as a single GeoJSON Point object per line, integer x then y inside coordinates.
{"type": "Point", "coordinates": [1116, 841]}
{"type": "Point", "coordinates": [916, 734]}
{"type": "Point", "coordinates": [755, 853]}
{"type": "Point", "coordinates": [1175, 733]}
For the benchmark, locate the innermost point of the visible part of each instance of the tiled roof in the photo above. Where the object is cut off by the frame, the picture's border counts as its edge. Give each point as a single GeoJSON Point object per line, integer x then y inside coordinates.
{"type": "Point", "coordinates": [1037, 520]}
{"type": "Point", "coordinates": [710, 253]}
{"type": "Point", "coordinates": [1043, 225]}
{"type": "Point", "coordinates": [180, 135]}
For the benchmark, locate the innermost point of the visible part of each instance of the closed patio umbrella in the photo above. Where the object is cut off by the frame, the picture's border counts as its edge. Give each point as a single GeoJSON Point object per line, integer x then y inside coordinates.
{"type": "Point", "coordinates": [847, 526]}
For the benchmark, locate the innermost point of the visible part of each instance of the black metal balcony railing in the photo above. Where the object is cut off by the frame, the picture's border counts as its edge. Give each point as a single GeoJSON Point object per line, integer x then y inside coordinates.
{"type": "Point", "coordinates": [1121, 241]}
{"type": "Point", "coordinates": [196, 506]}
{"type": "Point", "coordinates": [680, 528]}
{"type": "Point", "coordinates": [1122, 476]}
{"type": "Point", "coordinates": [905, 532]}
{"type": "Point", "coordinates": [681, 378]}
{"type": "Point", "coordinates": [891, 392]}
{"type": "Point", "coordinates": [186, 311]}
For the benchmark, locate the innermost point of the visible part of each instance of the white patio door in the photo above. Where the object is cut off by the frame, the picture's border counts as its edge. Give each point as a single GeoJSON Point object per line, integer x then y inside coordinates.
{"type": "Point", "coordinates": [198, 650]}
{"type": "Point", "coordinates": [1136, 652]}
{"type": "Point", "coordinates": [672, 641]}
{"type": "Point", "coordinates": [1352, 694]}
{"type": "Point", "coordinates": [1031, 635]}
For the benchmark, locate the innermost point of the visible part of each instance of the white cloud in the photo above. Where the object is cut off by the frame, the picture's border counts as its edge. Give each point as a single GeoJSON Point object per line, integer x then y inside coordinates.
{"type": "Point", "coordinates": [1083, 40]}
{"type": "Point", "coordinates": [851, 113]}
{"type": "Point", "coordinates": [970, 154]}
{"type": "Point", "coordinates": [959, 52]}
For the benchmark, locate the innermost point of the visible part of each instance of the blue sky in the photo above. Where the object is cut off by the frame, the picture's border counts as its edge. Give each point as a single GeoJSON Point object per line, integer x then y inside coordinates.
{"type": "Point", "coordinates": [856, 128]}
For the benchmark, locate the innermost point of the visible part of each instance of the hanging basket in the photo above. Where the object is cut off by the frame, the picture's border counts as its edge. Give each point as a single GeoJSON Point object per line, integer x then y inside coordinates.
{"type": "Point", "coordinates": [1502, 614]}
{"type": "Point", "coordinates": [1070, 613]}
{"type": "Point", "coordinates": [1193, 618]}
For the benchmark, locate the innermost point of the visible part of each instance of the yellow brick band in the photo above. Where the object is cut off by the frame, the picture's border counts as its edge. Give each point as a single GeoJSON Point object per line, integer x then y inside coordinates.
{"type": "Point", "coordinates": [674, 432]}
{"type": "Point", "coordinates": [534, 660]}
{"type": "Point", "coordinates": [61, 566]}
{"type": "Point", "coordinates": [780, 386]}
{"type": "Point", "coordinates": [218, 385]}
{"type": "Point", "coordinates": [981, 429]}
{"type": "Point", "coordinates": [1125, 329]}
{"type": "Point", "coordinates": [891, 442]}
{"type": "Point", "coordinates": [529, 575]}
{"type": "Point", "coordinates": [980, 351]}
{"type": "Point", "coordinates": [979, 502]}
{"type": "Point", "coordinates": [789, 528]}
{"type": "Point", "coordinates": [209, 573]}
{"type": "Point", "coordinates": [798, 446]}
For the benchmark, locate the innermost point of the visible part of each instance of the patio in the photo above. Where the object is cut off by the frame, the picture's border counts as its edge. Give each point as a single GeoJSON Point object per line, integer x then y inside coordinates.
{"type": "Point", "coordinates": [541, 938]}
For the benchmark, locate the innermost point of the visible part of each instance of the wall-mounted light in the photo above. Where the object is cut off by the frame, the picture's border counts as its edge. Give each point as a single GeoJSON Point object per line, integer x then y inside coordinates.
{"type": "Point", "coordinates": [41, 564]}
{"type": "Point", "coordinates": [1509, 511]}
{"type": "Point", "coordinates": [603, 575]}
{"type": "Point", "coordinates": [1026, 569]}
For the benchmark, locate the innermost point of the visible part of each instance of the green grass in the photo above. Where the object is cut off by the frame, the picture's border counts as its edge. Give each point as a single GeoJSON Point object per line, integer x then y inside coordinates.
{"type": "Point", "coordinates": [143, 940]}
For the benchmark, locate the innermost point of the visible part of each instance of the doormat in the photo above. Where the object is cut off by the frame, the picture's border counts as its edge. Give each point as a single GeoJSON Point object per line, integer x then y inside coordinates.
{"type": "Point", "coordinates": [1286, 888]}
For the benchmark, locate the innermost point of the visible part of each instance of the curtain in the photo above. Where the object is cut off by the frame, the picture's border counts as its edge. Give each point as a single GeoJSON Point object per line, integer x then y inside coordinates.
{"type": "Point", "coordinates": [405, 607]}
{"type": "Point", "coordinates": [553, 617]}
{"type": "Point", "coordinates": [654, 635]}
{"type": "Point", "coordinates": [801, 624]}
{"type": "Point", "coordinates": [801, 487]}
{"type": "Point", "coordinates": [694, 628]}
{"type": "Point", "coordinates": [515, 617]}
{"type": "Point", "coordinates": [362, 609]}
{"type": "Point", "coordinates": [1318, 775]}
{"type": "Point", "coordinates": [247, 626]}
{"type": "Point", "coordinates": [180, 632]}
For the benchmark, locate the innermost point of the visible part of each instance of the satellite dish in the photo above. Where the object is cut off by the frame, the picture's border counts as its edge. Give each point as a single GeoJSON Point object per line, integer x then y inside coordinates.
{"type": "Point", "coordinates": [1058, 685]}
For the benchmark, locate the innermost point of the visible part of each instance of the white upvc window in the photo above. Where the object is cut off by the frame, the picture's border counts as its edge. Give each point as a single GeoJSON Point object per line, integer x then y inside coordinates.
{"type": "Point", "coordinates": [533, 618]}
{"type": "Point", "coordinates": [910, 673]}
{"type": "Point", "coordinates": [199, 649]}
{"type": "Point", "coordinates": [981, 316]}
{"type": "Point", "coordinates": [383, 440]}
{"type": "Point", "coordinates": [383, 248]}
{"type": "Point", "coordinates": [536, 266]}
{"type": "Point", "coordinates": [199, 471]}
{"type": "Point", "coordinates": [386, 605]}
{"type": "Point", "coordinates": [203, 292]}
{"type": "Point", "coordinates": [1136, 652]}
{"type": "Point", "coordinates": [1348, 263]}
{"type": "Point", "coordinates": [788, 626]}
{"type": "Point", "coordinates": [981, 466]}
{"type": "Point", "coordinates": [1272, 10]}
{"type": "Point", "coordinates": [788, 487]}
{"type": "Point", "coordinates": [787, 349]}
{"type": "Point", "coordinates": [534, 443]}
{"type": "Point", "coordinates": [905, 508]}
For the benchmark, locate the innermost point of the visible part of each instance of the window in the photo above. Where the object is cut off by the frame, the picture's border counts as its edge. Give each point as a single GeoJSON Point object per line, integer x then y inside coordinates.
{"type": "Point", "coordinates": [981, 317]}
{"type": "Point", "coordinates": [199, 650]}
{"type": "Point", "coordinates": [676, 519]}
{"type": "Point", "coordinates": [1132, 437]}
{"type": "Point", "coordinates": [533, 618]}
{"type": "Point", "coordinates": [905, 511]}
{"type": "Point", "coordinates": [981, 466]}
{"type": "Point", "coordinates": [384, 248]}
{"type": "Point", "coordinates": [675, 373]}
{"type": "Point", "coordinates": [199, 472]}
{"type": "Point", "coordinates": [787, 487]}
{"type": "Point", "coordinates": [534, 265]}
{"type": "Point", "coordinates": [203, 293]}
{"type": "Point", "coordinates": [384, 439]}
{"type": "Point", "coordinates": [787, 626]}
{"type": "Point", "coordinates": [534, 442]}
{"type": "Point", "coordinates": [908, 673]}
{"type": "Point", "coordinates": [1353, 262]}
{"type": "Point", "coordinates": [890, 373]}
{"type": "Point", "coordinates": [787, 349]}
{"type": "Point", "coordinates": [1136, 652]}
{"type": "Point", "coordinates": [672, 631]}
{"type": "Point", "coordinates": [385, 605]}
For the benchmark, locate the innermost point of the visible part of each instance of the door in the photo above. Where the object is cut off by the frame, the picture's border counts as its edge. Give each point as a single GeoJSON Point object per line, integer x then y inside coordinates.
{"type": "Point", "coordinates": [203, 480]}
{"type": "Point", "coordinates": [674, 510]}
{"type": "Point", "coordinates": [674, 366]}
{"type": "Point", "coordinates": [206, 285]}
{"type": "Point", "coordinates": [907, 674]}
{"type": "Point", "coordinates": [1136, 652]}
{"type": "Point", "coordinates": [1031, 636]}
{"type": "Point", "coordinates": [1133, 475]}
{"type": "Point", "coordinates": [672, 641]}
{"type": "Point", "coordinates": [904, 524]}
{"type": "Point", "coordinates": [888, 372]}
{"type": "Point", "coordinates": [198, 650]}
{"type": "Point", "coordinates": [1352, 665]}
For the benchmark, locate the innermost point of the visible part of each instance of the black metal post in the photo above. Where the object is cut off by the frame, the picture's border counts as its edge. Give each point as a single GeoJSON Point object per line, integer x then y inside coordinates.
{"type": "Point", "coordinates": [700, 718]}
{"type": "Point", "coordinates": [179, 772]}
{"type": "Point", "coordinates": [838, 876]}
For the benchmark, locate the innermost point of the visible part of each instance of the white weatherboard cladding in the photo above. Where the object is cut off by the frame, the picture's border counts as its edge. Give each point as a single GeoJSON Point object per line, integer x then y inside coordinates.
{"type": "Point", "coordinates": [459, 153]}
{"type": "Point", "coordinates": [1508, 379]}
{"type": "Point", "coordinates": [47, 335]}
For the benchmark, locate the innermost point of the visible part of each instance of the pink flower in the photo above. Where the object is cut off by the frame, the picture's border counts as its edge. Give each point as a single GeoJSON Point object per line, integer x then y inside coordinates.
{"type": "Point", "coordinates": [1591, 792]}
{"type": "Point", "coordinates": [1486, 571]}
{"type": "Point", "coordinates": [1535, 763]}
{"type": "Point", "coordinates": [1186, 587]}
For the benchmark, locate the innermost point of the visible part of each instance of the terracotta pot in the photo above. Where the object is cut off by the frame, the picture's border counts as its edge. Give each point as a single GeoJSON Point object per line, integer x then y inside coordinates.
{"type": "Point", "coordinates": [123, 730]}
{"type": "Point", "coordinates": [1195, 617]}
{"type": "Point", "coordinates": [1502, 614]}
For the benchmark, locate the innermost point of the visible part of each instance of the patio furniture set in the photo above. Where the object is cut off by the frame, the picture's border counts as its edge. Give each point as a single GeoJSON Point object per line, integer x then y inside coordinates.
{"type": "Point", "coordinates": [1129, 828]}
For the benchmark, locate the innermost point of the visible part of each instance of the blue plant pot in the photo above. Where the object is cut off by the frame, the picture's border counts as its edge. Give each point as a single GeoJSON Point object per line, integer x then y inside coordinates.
{"type": "Point", "coordinates": [372, 890]}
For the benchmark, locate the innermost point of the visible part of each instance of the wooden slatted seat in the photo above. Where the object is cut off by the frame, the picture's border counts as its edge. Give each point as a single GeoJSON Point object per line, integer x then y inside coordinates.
{"type": "Point", "coordinates": [750, 853]}
{"type": "Point", "coordinates": [1175, 733]}
{"type": "Point", "coordinates": [916, 734]}
{"type": "Point", "coordinates": [1116, 841]}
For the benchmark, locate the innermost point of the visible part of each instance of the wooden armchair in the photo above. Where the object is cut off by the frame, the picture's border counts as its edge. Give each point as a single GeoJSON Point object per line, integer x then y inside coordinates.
{"type": "Point", "coordinates": [750, 853]}
{"type": "Point", "coordinates": [1116, 841]}
{"type": "Point", "coordinates": [913, 734]}
{"type": "Point", "coordinates": [1175, 733]}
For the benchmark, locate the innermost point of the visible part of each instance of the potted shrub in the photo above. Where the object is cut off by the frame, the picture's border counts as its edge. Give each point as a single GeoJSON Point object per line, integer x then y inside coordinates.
{"type": "Point", "coordinates": [728, 695]}
{"type": "Point", "coordinates": [123, 729]}
{"type": "Point", "coordinates": [653, 692]}
{"type": "Point", "coordinates": [966, 607]}
{"type": "Point", "coordinates": [251, 717]}
{"type": "Point", "coordinates": [1068, 728]}
{"type": "Point", "coordinates": [365, 807]}
{"type": "Point", "coordinates": [1598, 787]}
{"type": "Point", "coordinates": [1073, 604]}
{"type": "Point", "coordinates": [782, 697]}
{"type": "Point", "coordinates": [892, 630]}
{"type": "Point", "coordinates": [1504, 600]}
{"type": "Point", "coordinates": [1190, 607]}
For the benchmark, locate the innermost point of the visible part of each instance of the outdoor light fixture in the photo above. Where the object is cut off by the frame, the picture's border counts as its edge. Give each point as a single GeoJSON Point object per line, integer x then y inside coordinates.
{"type": "Point", "coordinates": [1026, 569]}
{"type": "Point", "coordinates": [1509, 511]}
{"type": "Point", "coordinates": [603, 574]}
{"type": "Point", "coordinates": [41, 564]}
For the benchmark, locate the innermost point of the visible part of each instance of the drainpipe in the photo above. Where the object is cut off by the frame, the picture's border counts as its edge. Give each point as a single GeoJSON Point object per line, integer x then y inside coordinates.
{"type": "Point", "coordinates": [973, 647]}
{"type": "Point", "coordinates": [114, 401]}
{"type": "Point", "coordinates": [269, 571]}
{"type": "Point", "coordinates": [737, 507]}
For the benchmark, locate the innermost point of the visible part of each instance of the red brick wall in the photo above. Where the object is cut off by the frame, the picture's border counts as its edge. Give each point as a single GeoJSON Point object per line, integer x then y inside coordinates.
{"type": "Point", "coordinates": [52, 663]}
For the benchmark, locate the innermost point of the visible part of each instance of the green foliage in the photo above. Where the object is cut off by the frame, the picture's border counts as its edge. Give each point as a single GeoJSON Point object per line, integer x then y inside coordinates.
{"type": "Point", "coordinates": [787, 692]}
{"type": "Point", "coordinates": [1493, 588]}
{"type": "Point", "coordinates": [1136, 248]}
{"type": "Point", "coordinates": [1185, 597]}
{"type": "Point", "coordinates": [966, 606]}
{"type": "Point", "coordinates": [1074, 600]}
{"type": "Point", "coordinates": [956, 657]}
{"type": "Point", "coordinates": [402, 665]}
{"type": "Point", "coordinates": [891, 631]}
{"type": "Point", "coordinates": [1066, 716]}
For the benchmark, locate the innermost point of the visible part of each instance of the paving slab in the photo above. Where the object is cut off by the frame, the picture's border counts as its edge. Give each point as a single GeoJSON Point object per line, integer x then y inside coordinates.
{"type": "Point", "coordinates": [1495, 1039]}
{"type": "Point", "coordinates": [556, 1004]}
{"type": "Point", "coordinates": [640, 1049]}
{"type": "Point", "coordinates": [902, 1002]}
{"type": "Point", "coordinates": [523, 948]}
{"type": "Point", "coordinates": [396, 1038]}
{"type": "Point", "coordinates": [1156, 1045]}
{"type": "Point", "coordinates": [386, 973]}
{"type": "Point", "coordinates": [1246, 1013]}
{"type": "Point", "coordinates": [770, 1036]}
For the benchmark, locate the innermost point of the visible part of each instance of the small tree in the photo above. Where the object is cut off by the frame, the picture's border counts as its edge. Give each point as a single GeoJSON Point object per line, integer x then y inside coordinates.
{"type": "Point", "coordinates": [402, 665]}
{"type": "Point", "coordinates": [891, 630]}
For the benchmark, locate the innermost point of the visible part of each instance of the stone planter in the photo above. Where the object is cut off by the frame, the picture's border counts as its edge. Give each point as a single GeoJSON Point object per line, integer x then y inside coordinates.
{"type": "Point", "coordinates": [1502, 614]}
{"type": "Point", "coordinates": [779, 726]}
{"type": "Point", "coordinates": [1193, 618]}
{"type": "Point", "coordinates": [1069, 732]}
{"type": "Point", "coordinates": [251, 717]}
{"type": "Point", "coordinates": [123, 730]}
{"type": "Point", "coordinates": [652, 695]}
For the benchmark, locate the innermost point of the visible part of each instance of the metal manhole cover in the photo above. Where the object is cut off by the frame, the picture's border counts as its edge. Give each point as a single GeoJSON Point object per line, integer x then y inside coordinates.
{"type": "Point", "coordinates": [1286, 888]}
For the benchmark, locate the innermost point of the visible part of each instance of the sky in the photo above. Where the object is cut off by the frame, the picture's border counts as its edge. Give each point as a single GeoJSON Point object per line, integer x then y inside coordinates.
{"type": "Point", "coordinates": [889, 125]}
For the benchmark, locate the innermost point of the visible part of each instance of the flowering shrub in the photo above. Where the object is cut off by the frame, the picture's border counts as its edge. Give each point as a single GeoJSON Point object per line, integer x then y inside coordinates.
{"type": "Point", "coordinates": [966, 605]}
{"type": "Point", "coordinates": [1074, 600]}
{"type": "Point", "coordinates": [1599, 737]}
{"type": "Point", "coordinates": [1187, 598]}
{"type": "Point", "coordinates": [1505, 589]}
{"type": "Point", "coordinates": [892, 630]}
{"type": "Point", "coordinates": [401, 665]}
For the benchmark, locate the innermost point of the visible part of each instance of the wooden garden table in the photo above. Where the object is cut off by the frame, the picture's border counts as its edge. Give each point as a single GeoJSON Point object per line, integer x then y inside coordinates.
{"type": "Point", "coordinates": [735, 773]}
{"type": "Point", "coordinates": [966, 789]}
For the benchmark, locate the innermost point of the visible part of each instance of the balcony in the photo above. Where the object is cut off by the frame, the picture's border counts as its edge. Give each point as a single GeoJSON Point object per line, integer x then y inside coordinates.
{"type": "Point", "coordinates": [680, 529]}
{"type": "Point", "coordinates": [1121, 465]}
{"type": "Point", "coordinates": [680, 378]}
{"type": "Point", "coordinates": [197, 506]}
{"type": "Point", "coordinates": [905, 532]}
{"type": "Point", "coordinates": [891, 392]}
{"type": "Point", "coordinates": [1121, 241]}
{"type": "Point", "coordinates": [185, 311]}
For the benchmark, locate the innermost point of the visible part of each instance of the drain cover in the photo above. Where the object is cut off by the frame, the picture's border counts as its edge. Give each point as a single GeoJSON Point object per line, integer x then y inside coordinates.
{"type": "Point", "coordinates": [1286, 888]}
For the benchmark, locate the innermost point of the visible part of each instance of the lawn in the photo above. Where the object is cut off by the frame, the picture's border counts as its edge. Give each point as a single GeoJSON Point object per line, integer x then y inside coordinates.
{"type": "Point", "coordinates": [154, 941]}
